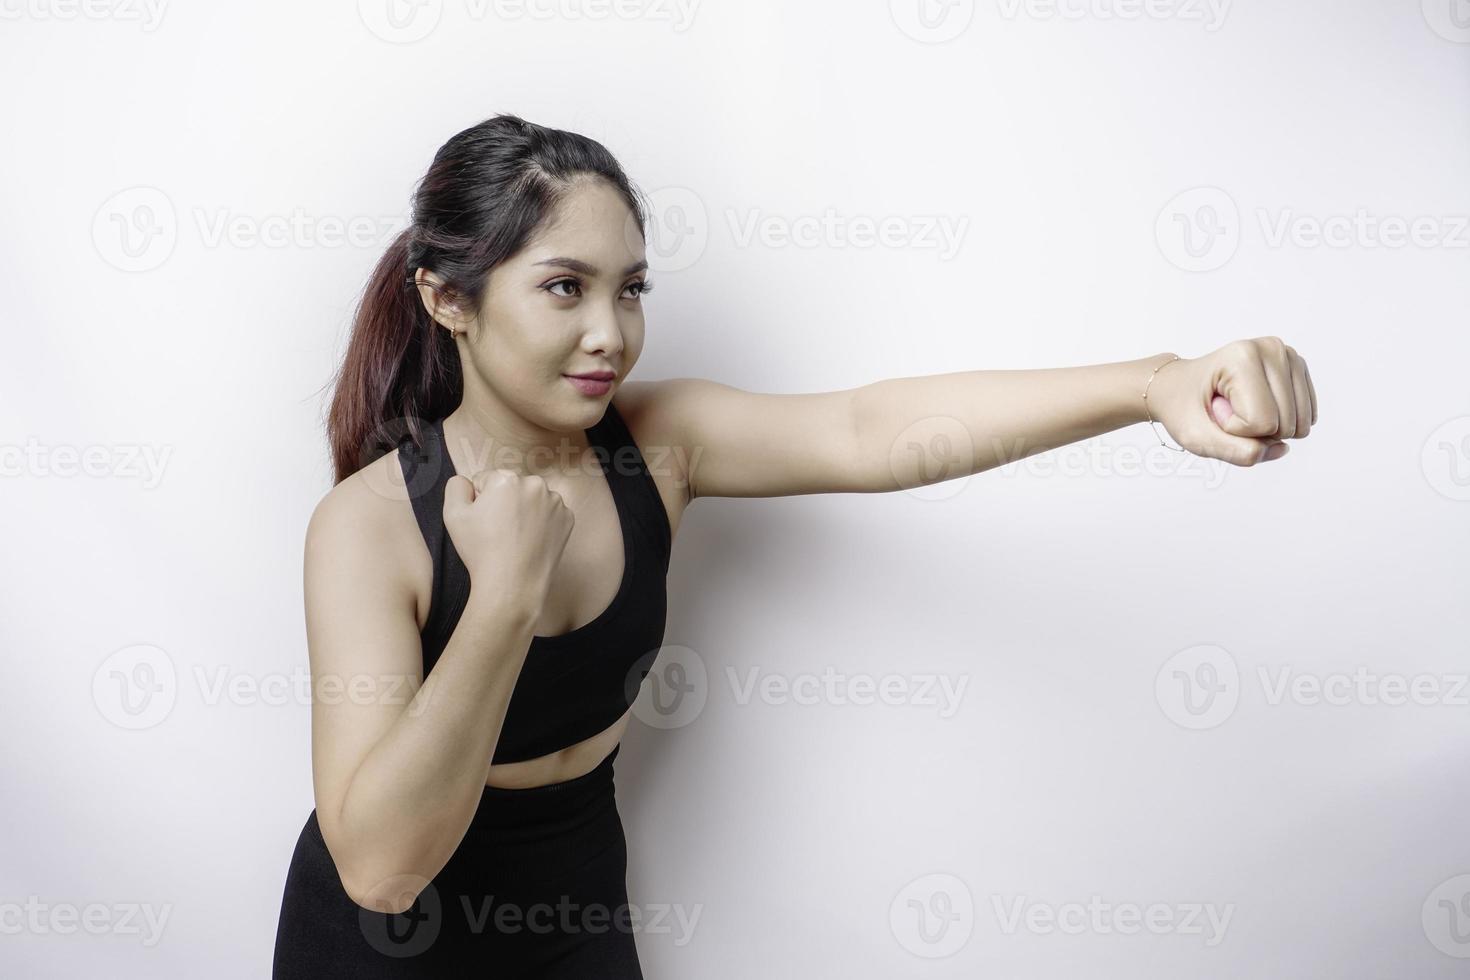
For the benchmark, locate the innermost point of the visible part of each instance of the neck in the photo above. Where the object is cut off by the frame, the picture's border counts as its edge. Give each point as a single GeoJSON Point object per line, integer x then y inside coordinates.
{"type": "Point", "coordinates": [485, 436]}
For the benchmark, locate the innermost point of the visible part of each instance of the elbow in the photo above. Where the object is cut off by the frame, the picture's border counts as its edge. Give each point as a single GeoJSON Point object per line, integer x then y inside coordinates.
{"type": "Point", "coordinates": [374, 873]}
{"type": "Point", "coordinates": [393, 894]}
{"type": "Point", "coordinates": [862, 466]}
{"type": "Point", "coordinates": [366, 881]}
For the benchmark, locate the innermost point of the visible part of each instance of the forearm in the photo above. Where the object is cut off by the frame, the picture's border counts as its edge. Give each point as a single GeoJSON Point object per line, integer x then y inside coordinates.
{"type": "Point", "coordinates": [921, 430]}
{"type": "Point", "coordinates": [411, 800]}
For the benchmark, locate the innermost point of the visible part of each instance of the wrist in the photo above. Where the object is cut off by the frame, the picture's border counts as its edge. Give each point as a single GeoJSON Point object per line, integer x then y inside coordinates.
{"type": "Point", "coordinates": [1152, 367]}
{"type": "Point", "coordinates": [508, 607]}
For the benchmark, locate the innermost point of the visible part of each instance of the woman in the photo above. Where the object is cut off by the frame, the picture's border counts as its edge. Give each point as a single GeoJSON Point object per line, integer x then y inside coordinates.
{"type": "Point", "coordinates": [485, 581]}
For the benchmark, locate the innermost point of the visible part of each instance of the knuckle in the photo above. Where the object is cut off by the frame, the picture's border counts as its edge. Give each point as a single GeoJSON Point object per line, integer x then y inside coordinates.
{"type": "Point", "coordinates": [1271, 348]}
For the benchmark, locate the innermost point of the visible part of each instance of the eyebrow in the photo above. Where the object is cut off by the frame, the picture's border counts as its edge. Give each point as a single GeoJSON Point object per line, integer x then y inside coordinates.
{"type": "Point", "coordinates": [577, 265]}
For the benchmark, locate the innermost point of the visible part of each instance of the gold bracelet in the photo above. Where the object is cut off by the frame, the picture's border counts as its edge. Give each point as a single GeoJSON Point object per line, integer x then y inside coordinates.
{"type": "Point", "coordinates": [1149, 411]}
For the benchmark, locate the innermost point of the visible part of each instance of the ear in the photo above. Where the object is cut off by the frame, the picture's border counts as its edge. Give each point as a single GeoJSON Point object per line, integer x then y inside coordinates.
{"type": "Point", "coordinates": [434, 297]}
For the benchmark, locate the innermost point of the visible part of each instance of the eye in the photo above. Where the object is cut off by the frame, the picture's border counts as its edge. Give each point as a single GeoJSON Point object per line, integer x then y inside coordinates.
{"type": "Point", "coordinates": [639, 286]}
{"type": "Point", "coordinates": [562, 282]}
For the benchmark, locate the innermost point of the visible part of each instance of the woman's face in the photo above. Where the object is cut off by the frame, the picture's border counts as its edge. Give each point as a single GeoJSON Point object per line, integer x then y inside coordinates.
{"type": "Point", "coordinates": [568, 303]}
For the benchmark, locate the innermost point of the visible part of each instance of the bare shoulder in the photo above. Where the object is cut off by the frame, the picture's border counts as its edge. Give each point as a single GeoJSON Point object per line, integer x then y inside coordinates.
{"type": "Point", "coordinates": [729, 442]}
{"type": "Point", "coordinates": [651, 411]}
{"type": "Point", "coordinates": [657, 411]}
{"type": "Point", "coordinates": [370, 499]}
{"type": "Point", "coordinates": [643, 405]}
{"type": "Point", "coordinates": [367, 522]}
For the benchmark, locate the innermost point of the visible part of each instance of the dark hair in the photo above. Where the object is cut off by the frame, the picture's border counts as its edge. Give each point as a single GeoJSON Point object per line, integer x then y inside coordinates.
{"type": "Point", "coordinates": [487, 192]}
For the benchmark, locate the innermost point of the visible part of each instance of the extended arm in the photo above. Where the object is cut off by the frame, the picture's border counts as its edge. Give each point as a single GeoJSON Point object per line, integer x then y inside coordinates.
{"type": "Point", "coordinates": [922, 430]}
{"type": "Point", "coordinates": [1232, 404]}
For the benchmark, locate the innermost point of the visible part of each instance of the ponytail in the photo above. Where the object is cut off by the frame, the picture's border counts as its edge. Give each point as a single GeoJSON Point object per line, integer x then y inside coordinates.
{"type": "Point", "coordinates": [399, 371]}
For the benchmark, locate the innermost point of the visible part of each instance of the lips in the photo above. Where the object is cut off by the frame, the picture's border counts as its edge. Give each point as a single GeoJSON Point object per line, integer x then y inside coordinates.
{"type": "Point", "coordinates": [595, 376]}
{"type": "Point", "coordinates": [591, 387]}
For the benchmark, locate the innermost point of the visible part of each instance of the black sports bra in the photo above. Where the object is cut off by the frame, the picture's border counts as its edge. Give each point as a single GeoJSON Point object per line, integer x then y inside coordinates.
{"type": "Point", "coordinates": [572, 685]}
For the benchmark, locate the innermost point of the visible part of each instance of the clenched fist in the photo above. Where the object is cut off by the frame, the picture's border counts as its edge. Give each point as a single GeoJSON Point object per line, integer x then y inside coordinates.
{"type": "Point", "coordinates": [510, 530]}
{"type": "Point", "coordinates": [1238, 403]}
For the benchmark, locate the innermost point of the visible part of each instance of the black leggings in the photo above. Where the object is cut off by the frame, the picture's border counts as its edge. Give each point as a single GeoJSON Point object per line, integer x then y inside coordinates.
{"type": "Point", "coordinates": [537, 888]}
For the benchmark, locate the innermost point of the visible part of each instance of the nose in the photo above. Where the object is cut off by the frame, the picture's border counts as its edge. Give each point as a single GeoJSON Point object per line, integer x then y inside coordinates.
{"type": "Point", "coordinates": [603, 331]}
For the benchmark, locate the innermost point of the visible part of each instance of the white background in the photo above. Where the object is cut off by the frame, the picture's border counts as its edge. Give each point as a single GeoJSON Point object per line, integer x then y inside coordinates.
{"type": "Point", "coordinates": [806, 837]}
